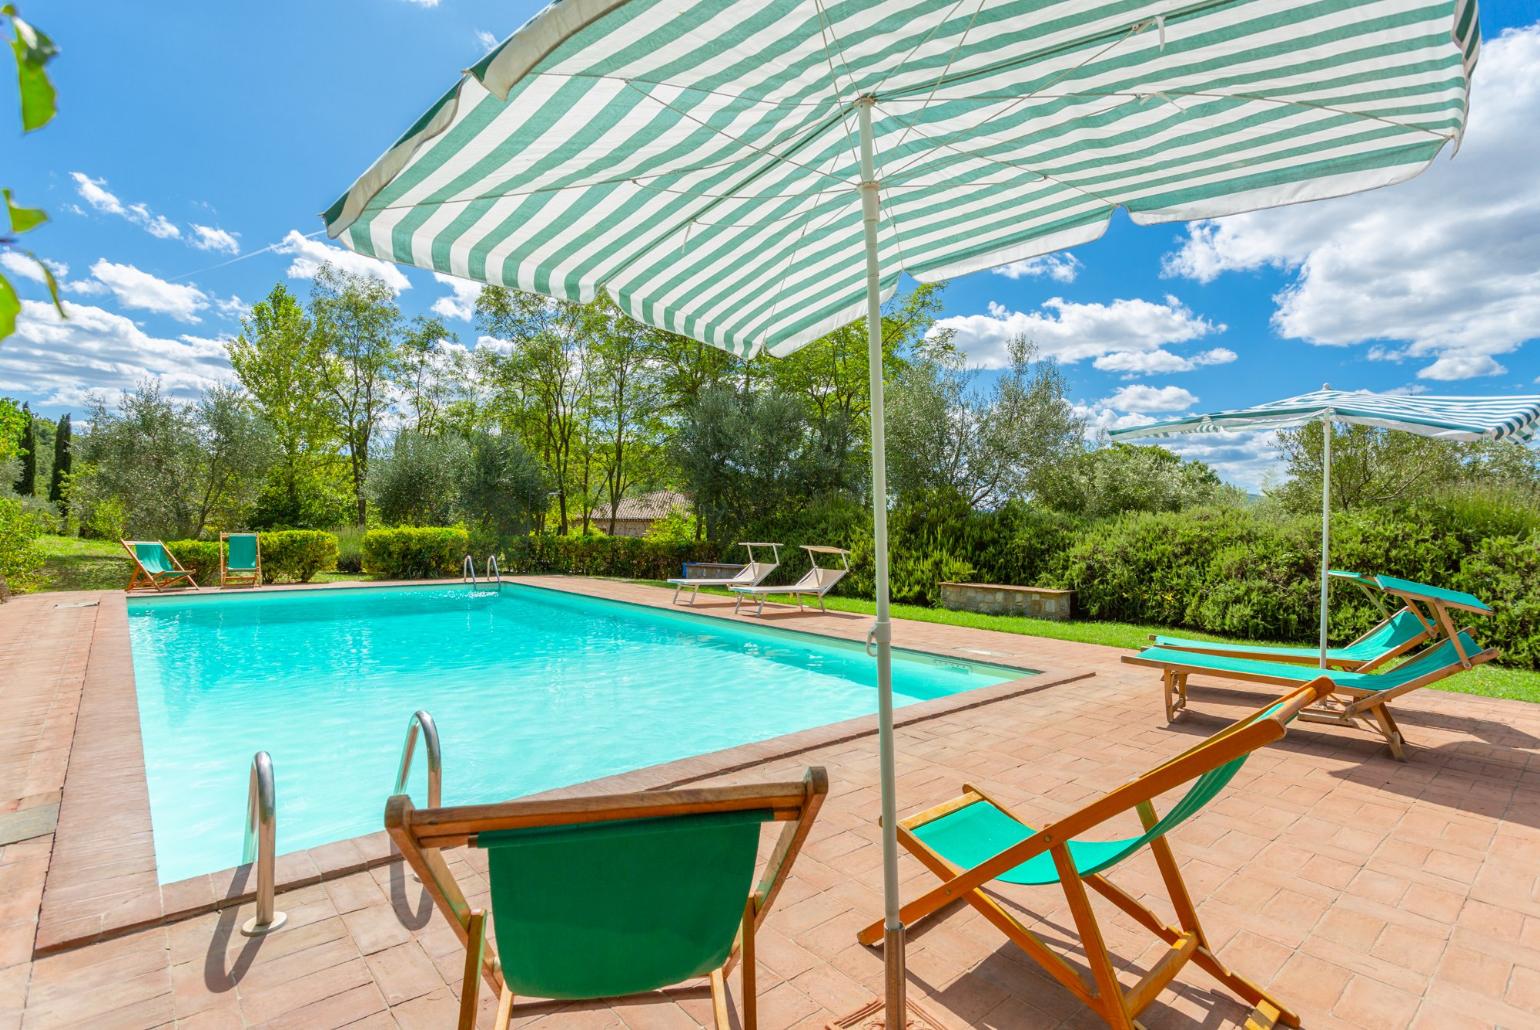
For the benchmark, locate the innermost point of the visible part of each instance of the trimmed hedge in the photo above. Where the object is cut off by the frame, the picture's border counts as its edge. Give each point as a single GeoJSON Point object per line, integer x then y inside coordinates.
{"type": "Point", "coordinates": [415, 552]}
{"type": "Point", "coordinates": [288, 556]}
{"type": "Point", "coordinates": [622, 556]}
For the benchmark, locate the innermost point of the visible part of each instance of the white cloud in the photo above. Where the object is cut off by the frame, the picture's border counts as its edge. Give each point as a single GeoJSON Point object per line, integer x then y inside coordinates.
{"type": "Point", "coordinates": [1144, 399]}
{"type": "Point", "coordinates": [95, 193]}
{"type": "Point", "coordinates": [232, 307]}
{"type": "Point", "coordinates": [1100, 418]}
{"type": "Point", "coordinates": [423, 3]}
{"type": "Point", "coordinates": [1134, 364]}
{"type": "Point", "coordinates": [20, 264]}
{"type": "Point", "coordinates": [208, 237]}
{"type": "Point", "coordinates": [98, 351]}
{"type": "Point", "coordinates": [1073, 332]}
{"type": "Point", "coordinates": [485, 40]}
{"type": "Point", "coordinates": [1448, 263]}
{"type": "Point", "coordinates": [135, 288]}
{"type": "Point", "coordinates": [1061, 267]}
{"type": "Point", "coordinates": [311, 254]}
{"type": "Point", "coordinates": [461, 303]}
{"type": "Point", "coordinates": [495, 344]}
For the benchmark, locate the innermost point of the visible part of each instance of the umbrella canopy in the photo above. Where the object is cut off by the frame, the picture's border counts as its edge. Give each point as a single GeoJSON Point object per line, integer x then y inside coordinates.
{"type": "Point", "coordinates": [1445, 418]}
{"type": "Point", "coordinates": [700, 161]}
{"type": "Point", "coordinates": [1516, 419]}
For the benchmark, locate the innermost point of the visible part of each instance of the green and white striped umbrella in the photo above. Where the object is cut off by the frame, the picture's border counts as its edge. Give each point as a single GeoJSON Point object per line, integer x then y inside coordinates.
{"type": "Point", "coordinates": [1515, 419]}
{"type": "Point", "coordinates": [756, 173]}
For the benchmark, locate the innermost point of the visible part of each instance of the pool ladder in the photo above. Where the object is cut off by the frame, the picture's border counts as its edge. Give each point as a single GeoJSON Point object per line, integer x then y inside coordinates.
{"type": "Point", "coordinates": [422, 722]}
{"type": "Point", "coordinates": [261, 838]}
{"type": "Point", "coordinates": [493, 575]}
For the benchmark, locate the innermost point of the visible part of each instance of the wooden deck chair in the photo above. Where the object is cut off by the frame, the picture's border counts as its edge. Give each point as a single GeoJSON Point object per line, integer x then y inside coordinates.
{"type": "Point", "coordinates": [1389, 639]}
{"type": "Point", "coordinates": [240, 559]}
{"type": "Point", "coordinates": [816, 582]}
{"type": "Point", "coordinates": [750, 575]}
{"type": "Point", "coordinates": [974, 840]}
{"type": "Point", "coordinates": [1361, 697]}
{"type": "Point", "coordinates": [599, 897]}
{"type": "Point", "coordinates": [154, 565]}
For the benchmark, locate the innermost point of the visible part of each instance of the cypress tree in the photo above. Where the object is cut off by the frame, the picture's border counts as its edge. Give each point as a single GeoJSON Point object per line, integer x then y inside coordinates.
{"type": "Point", "coordinates": [62, 458]}
{"type": "Point", "coordinates": [27, 484]}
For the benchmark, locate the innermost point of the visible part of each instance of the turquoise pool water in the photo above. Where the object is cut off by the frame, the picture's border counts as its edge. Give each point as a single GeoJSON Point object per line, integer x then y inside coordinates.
{"type": "Point", "coordinates": [531, 689]}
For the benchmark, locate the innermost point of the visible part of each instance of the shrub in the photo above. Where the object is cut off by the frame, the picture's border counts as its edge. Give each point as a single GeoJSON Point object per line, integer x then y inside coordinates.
{"type": "Point", "coordinates": [295, 555]}
{"type": "Point", "coordinates": [350, 548]}
{"type": "Point", "coordinates": [622, 556]}
{"type": "Point", "coordinates": [415, 552]}
{"type": "Point", "coordinates": [20, 557]}
{"type": "Point", "coordinates": [200, 557]}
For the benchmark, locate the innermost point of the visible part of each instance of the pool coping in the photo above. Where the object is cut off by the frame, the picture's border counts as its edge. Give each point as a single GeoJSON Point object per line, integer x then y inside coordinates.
{"type": "Point", "coordinates": [102, 881]}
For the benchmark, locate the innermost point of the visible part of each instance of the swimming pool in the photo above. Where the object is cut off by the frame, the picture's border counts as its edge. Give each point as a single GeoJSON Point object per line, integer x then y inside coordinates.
{"type": "Point", "coordinates": [531, 689]}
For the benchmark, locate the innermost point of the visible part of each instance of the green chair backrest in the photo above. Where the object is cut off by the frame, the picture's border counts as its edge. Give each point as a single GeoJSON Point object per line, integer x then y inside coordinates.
{"type": "Point", "coordinates": [1395, 631]}
{"type": "Point", "coordinates": [154, 557]}
{"type": "Point", "coordinates": [605, 909]}
{"type": "Point", "coordinates": [241, 553]}
{"type": "Point", "coordinates": [1392, 585]}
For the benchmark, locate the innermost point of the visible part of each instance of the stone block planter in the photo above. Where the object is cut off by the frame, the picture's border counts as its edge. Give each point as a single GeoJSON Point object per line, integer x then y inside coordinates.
{"type": "Point", "coordinates": [1000, 599]}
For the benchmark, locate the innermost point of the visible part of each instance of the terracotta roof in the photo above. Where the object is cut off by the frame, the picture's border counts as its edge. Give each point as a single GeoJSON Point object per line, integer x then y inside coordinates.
{"type": "Point", "coordinates": [653, 505]}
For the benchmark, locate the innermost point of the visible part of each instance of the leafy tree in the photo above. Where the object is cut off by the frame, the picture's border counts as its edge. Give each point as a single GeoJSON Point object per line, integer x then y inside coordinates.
{"type": "Point", "coordinates": [1123, 478]}
{"type": "Point", "coordinates": [33, 50]}
{"type": "Point", "coordinates": [427, 374]}
{"type": "Point", "coordinates": [626, 401]}
{"type": "Point", "coordinates": [173, 469]}
{"type": "Point", "coordinates": [503, 488]}
{"type": "Point", "coordinates": [26, 483]}
{"type": "Point", "coordinates": [742, 454]}
{"type": "Point", "coordinates": [1369, 466]}
{"type": "Point", "coordinates": [279, 360]}
{"type": "Point", "coordinates": [63, 458]}
{"type": "Point", "coordinates": [944, 434]}
{"type": "Point", "coordinates": [543, 383]}
{"type": "Point", "coordinates": [416, 482]}
{"type": "Point", "coordinates": [356, 321]}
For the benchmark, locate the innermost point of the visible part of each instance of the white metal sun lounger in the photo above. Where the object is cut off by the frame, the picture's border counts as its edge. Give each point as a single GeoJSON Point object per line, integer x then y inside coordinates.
{"type": "Point", "coordinates": [750, 575]}
{"type": "Point", "coordinates": [816, 582]}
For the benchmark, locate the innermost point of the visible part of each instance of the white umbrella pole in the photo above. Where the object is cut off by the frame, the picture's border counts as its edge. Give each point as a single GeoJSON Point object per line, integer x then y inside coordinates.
{"type": "Point", "coordinates": [882, 632]}
{"type": "Point", "coordinates": [1325, 525]}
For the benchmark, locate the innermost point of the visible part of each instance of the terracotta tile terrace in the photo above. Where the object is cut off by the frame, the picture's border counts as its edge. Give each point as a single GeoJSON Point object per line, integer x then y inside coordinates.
{"type": "Point", "coordinates": [1362, 891]}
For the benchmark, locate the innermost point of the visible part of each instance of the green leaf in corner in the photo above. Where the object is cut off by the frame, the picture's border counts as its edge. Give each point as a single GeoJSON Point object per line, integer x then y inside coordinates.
{"type": "Point", "coordinates": [33, 50]}
{"type": "Point", "coordinates": [10, 307]}
{"type": "Point", "coordinates": [51, 282]}
{"type": "Point", "coordinates": [23, 219]}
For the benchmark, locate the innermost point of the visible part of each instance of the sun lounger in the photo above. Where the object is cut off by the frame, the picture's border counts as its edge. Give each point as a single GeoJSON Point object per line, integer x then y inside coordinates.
{"type": "Point", "coordinates": [598, 897]}
{"type": "Point", "coordinates": [750, 575]}
{"type": "Point", "coordinates": [154, 565]}
{"type": "Point", "coordinates": [1362, 696]}
{"type": "Point", "coordinates": [815, 583]}
{"type": "Point", "coordinates": [974, 841]}
{"type": "Point", "coordinates": [1390, 639]}
{"type": "Point", "coordinates": [240, 559]}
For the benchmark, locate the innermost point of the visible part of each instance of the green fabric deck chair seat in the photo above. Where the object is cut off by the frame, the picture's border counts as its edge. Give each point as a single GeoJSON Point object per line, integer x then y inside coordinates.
{"type": "Point", "coordinates": [1386, 641]}
{"type": "Point", "coordinates": [1364, 696]}
{"type": "Point", "coordinates": [155, 566]}
{"type": "Point", "coordinates": [240, 559]}
{"type": "Point", "coordinates": [975, 840]}
{"type": "Point", "coordinates": [601, 897]}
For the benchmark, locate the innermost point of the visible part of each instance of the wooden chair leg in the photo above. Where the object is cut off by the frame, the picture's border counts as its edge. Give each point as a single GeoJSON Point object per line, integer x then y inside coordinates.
{"type": "Point", "coordinates": [1386, 724]}
{"type": "Point", "coordinates": [470, 985]}
{"type": "Point", "coordinates": [750, 987]}
{"type": "Point", "coordinates": [719, 1000]}
{"type": "Point", "coordinates": [1109, 996]}
{"type": "Point", "coordinates": [504, 1010]}
{"type": "Point", "coordinates": [1165, 685]}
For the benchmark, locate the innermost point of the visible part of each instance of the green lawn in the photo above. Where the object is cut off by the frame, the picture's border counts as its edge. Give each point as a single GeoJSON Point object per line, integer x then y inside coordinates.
{"type": "Point", "coordinates": [1489, 680]}
{"type": "Point", "coordinates": [72, 563]}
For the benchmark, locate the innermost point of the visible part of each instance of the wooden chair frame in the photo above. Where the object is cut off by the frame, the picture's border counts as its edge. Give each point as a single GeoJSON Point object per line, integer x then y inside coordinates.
{"type": "Point", "coordinates": [1352, 706]}
{"type": "Point", "coordinates": [1186, 940]}
{"type": "Point", "coordinates": [423, 834]}
{"type": "Point", "coordinates": [241, 577]}
{"type": "Point", "coordinates": [144, 577]}
{"type": "Point", "coordinates": [1430, 633]}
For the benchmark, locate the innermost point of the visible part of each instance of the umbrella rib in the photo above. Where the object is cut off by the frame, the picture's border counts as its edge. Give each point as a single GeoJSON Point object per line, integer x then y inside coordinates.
{"type": "Point", "coordinates": [950, 59]}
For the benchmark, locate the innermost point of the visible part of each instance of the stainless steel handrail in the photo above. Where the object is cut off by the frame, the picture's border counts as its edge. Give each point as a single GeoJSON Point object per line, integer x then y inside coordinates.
{"type": "Point", "coordinates": [468, 571]}
{"type": "Point", "coordinates": [421, 720]}
{"type": "Point", "coordinates": [492, 570]}
{"type": "Point", "coordinates": [261, 840]}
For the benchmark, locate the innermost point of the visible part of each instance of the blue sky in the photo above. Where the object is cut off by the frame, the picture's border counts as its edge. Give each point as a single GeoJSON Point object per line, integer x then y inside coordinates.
{"type": "Point", "coordinates": [202, 135]}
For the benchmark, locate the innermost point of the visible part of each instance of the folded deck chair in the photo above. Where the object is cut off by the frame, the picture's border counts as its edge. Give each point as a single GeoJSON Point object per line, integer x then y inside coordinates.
{"type": "Point", "coordinates": [974, 840]}
{"type": "Point", "coordinates": [598, 897]}
{"type": "Point", "coordinates": [1363, 696]}
{"type": "Point", "coordinates": [154, 565]}
{"type": "Point", "coordinates": [816, 582]}
{"type": "Point", "coordinates": [750, 575]}
{"type": "Point", "coordinates": [240, 559]}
